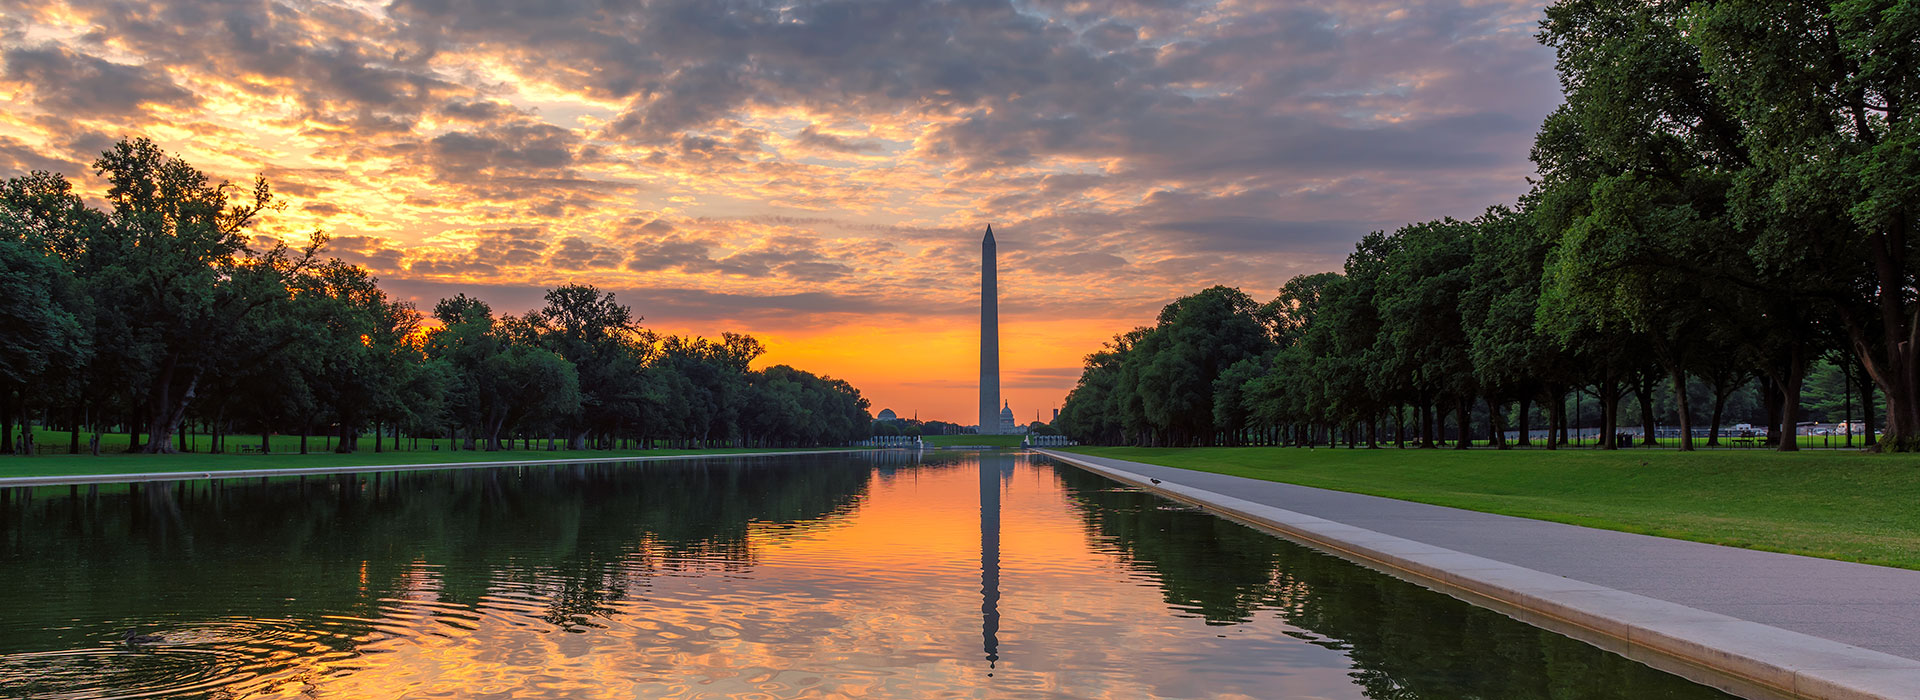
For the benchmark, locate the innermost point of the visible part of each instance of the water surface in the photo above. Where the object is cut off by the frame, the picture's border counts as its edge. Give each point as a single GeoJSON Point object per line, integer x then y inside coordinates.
{"type": "Point", "coordinates": [956, 575]}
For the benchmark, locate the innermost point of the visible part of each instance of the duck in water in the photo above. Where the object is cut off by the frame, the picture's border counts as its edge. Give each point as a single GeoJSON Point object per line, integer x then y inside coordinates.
{"type": "Point", "coordinates": [133, 639]}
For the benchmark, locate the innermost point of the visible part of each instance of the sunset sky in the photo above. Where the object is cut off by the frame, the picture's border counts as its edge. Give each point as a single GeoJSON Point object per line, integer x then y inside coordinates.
{"type": "Point", "coordinates": [817, 174]}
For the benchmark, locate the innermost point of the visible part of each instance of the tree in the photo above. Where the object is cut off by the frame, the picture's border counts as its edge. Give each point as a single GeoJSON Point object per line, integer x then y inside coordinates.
{"type": "Point", "coordinates": [1198, 338]}
{"type": "Point", "coordinates": [39, 329]}
{"type": "Point", "coordinates": [184, 274]}
{"type": "Point", "coordinates": [45, 313]}
{"type": "Point", "coordinates": [1422, 341]}
{"type": "Point", "coordinates": [607, 346]}
{"type": "Point", "coordinates": [1511, 360]}
{"type": "Point", "coordinates": [1091, 412]}
{"type": "Point", "coordinates": [1828, 91]}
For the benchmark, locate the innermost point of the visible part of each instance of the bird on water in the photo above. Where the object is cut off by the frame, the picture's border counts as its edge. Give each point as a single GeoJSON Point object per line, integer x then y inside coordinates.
{"type": "Point", "coordinates": [131, 637]}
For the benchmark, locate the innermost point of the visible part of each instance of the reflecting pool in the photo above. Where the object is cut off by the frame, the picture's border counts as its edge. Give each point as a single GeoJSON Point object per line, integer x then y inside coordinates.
{"type": "Point", "coordinates": [949, 575]}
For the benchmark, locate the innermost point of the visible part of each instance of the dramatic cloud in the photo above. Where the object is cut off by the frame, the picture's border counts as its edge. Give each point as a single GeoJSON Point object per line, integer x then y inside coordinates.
{"type": "Point", "coordinates": [78, 85]}
{"type": "Point", "coordinates": [815, 171]}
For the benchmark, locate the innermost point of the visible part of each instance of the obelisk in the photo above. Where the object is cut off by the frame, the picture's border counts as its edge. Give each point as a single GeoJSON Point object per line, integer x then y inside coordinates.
{"type": "Point", "coordinates": [989, 339]}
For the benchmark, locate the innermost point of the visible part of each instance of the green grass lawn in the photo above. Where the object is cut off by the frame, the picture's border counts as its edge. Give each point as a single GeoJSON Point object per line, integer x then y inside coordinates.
{"type": "Point", "coordinates": [1838, 505]}
{"type": "Point", "coordinates": [1809, 442]}
{"type": "Point", "coordinates": [971, 440]}
{"type": "Point", "coordinates": [74, 465]}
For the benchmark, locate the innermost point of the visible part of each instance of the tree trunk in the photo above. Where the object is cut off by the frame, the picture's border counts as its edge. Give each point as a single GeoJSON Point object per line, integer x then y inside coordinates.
{"type": "Point", "coordinates": [1608, 392]}
{"type": "Point", "coordinates": [1685, 409]}
{"type": "Point", "coordinates": [1399, 426]}
{"type": "Point", "coordinates": [6, 421]}
{"type": "Point", "coordinates": [1866, 408]}
{"type": "Point", "coordinates": [1556, 418]}
{"type": "Point", "coordinates": [1524, 431]}
{"type": "Point", "coordinates": [1770, 397]}
{"type": "Point", "coordinates": [1719, 407]}
{"type": "Point", "coordinates": [1792, 377]}
{"type": "Point", "coordinates": [1426, 424]}
{"type": "Point", "coordinates": [1497, 426]}
{"type": "Point", "coordinates": [1647, 381]}
{"type": "Point", "coordinates": [1464, 404]}
{"type": "Point", "coordinates": [168, 411]}
{"type": "Point", "coordinates": [1568, 429]}
{"type": "Point", "coordinates": [1894, 360]}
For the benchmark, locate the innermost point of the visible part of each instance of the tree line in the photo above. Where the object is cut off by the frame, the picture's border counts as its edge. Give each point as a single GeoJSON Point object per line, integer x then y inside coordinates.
{"type": "Point", "coordinates": [1727, 196]}
{"type": "Point", "coordinates": [161, 311]}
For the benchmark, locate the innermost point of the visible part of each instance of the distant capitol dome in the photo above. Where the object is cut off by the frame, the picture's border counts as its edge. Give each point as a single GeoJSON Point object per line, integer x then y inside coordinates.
{"type": "Point", "coordinates": [888, 414]}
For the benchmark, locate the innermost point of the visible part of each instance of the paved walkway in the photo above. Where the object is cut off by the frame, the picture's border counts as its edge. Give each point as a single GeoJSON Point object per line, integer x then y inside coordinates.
{"type": "Point", "coordinates": [1873, 607]}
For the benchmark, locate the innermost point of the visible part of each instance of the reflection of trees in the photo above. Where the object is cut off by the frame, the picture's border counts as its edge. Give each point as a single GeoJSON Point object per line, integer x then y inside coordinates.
{"type": "Point", "coordinates": [580, 537]}
{"type": "Point", "coordinates": [1405, 641]}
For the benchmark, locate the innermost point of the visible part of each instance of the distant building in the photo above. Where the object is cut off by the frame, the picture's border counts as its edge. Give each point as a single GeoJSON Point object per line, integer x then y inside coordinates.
{"type": "Point", "coordinates": [887, 414]}
{"type": "Point", "coordinates": [1007, 426]}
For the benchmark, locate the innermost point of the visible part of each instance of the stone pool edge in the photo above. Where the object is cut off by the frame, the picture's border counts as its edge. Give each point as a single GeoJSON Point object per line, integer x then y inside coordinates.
{"type": "Point", "coordinates": [142, 477]}
{"type": "Point", "coordinates": [1739, 656]}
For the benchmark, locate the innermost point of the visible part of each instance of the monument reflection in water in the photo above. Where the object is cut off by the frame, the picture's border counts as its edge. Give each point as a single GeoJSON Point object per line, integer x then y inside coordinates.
{"type": "Point", "coordinates": [818, 576]}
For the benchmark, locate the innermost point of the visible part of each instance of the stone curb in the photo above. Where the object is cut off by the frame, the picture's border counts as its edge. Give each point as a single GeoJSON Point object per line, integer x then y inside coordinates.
{"type": "Point", "coordinates": [1739, 656]}
{"type": "Point", "coordinates": [311, 471]}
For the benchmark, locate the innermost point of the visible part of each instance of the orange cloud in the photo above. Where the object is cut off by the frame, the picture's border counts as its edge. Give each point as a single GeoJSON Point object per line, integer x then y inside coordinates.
{"type": "Point", "coordinates": [815, 176]}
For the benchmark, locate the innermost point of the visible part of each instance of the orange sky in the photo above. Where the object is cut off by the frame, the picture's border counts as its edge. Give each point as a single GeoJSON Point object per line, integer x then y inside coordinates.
{"type": "Point", "coordinates": [817, 173]}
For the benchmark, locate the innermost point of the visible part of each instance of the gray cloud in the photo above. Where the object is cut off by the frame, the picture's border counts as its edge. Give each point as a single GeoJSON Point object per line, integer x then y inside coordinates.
{"type": "Point", "coordinates": [18, 159]}
{"type": "Point", "coordinates": [376, 254]}
{"type": "Point", "coordinates": [71, 84]}
{"type": "Point", "coordinates": [792, 257]}
{"type": "Point", "coordinates": [669, 253]}
{"type": "Point", "coordinates": [811, 136]}
{"type": "Point", "coordinates": [576, 253]}
{"type": "Point", "coordinates": [1130, 146]}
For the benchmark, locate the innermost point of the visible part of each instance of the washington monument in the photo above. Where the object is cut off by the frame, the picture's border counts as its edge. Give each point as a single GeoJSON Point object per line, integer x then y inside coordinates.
{"type": "Point", "coordinates": [989, 339]}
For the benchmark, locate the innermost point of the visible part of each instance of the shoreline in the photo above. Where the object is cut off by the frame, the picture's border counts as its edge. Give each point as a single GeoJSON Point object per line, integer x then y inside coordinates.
{"type": "Point", "coordinates": [193, 475]}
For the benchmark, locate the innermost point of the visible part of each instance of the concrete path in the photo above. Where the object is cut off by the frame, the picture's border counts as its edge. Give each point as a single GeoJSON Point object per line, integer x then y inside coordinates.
{"type": "Point", "coordinates": [1869, 607]}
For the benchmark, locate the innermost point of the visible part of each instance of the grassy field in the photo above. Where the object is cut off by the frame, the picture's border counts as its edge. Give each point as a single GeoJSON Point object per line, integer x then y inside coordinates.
{"type": "Point", "coordinates": [73, 465]}
{"type": "Point", "coordinates": [1838, 505]}
{"type": "Point", "coordinates": [1807, 442]}
{"type": "Point", "coordinates": [971, 440]}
